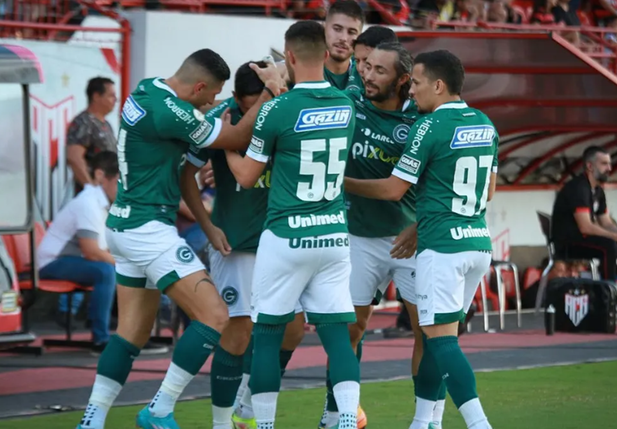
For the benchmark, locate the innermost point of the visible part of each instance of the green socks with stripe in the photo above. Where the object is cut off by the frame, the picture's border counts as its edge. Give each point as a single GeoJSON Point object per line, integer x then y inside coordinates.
{"type": "Point", "coordinates": [225, 379]}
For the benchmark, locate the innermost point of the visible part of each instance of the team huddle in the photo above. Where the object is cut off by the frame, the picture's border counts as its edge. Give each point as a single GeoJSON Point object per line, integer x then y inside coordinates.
{"type": "Point", "coordinates": [346, 167]}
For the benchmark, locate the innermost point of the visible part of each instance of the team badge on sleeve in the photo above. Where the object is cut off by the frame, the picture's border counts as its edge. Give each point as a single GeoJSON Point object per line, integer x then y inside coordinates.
{"type": "Point", "coordinates": [410, 164]}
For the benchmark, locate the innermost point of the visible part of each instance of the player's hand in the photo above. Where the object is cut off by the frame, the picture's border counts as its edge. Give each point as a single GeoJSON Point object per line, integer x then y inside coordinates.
{"type": "Point", "coordinates": [217, 238]}
{"type": "Point", "coordinates": [270, 76]}
{"type": "Point", "coordinates": [206, 175]}
{"type": "Point", "coordinates": [406, 243]}
{"type": "Point", "coordinates": [226, 116]}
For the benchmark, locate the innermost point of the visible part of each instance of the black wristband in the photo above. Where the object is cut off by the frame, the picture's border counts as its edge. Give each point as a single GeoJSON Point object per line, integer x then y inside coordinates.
{"type": "Point", "coordinates": [269, 91]}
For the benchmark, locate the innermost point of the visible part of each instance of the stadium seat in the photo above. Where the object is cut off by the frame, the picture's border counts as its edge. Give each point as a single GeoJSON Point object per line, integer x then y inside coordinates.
{"type": "Point", "coordinates": [19, 250]}
{"type": "Point", "coordinates": [532, 275]}
{"type": "Point", "coordinates": [545, 225]}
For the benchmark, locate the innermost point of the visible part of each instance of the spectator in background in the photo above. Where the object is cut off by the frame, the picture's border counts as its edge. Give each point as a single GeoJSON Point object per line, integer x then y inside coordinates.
{"type": "Point", "coordinates": [90, 133]}
{"type": "Point", "coordinates": [74, 247]}
{"type": "Point", "coordinates": [566, 15]}
{"type": "Point", "coordinates": [542, 12]}
{"type": "Point", "coordinates": [581, 226]}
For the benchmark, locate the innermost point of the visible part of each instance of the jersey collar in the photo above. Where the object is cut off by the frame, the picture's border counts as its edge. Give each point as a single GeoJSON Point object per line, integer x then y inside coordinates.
{"type": "Point", "coordinates": [453, 105]}
{"type": "Point", "coordinates": [312, 85]}
{"type": "Point", "coordinates": [158, 82]}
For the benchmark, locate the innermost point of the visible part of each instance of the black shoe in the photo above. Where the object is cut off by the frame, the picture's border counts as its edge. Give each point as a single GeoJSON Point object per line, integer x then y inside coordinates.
{"type": "Point", "coordinates": [154, 349]}
{"type": "Point", "coordinates": [397, 332]}
{"type": "Point", "coordinates": [97, 349]}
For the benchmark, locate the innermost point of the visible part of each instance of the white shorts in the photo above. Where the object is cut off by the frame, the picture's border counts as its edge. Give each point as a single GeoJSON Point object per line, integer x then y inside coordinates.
{"type": "Point", "coordinates": [151, 256]}
{"type": "Point", "coordinates": [313, 270]}
{"type": "Point", "coordinates": [233, 275]}
{"type": "Point", "coordinates": [372, 270]}
{"type": "Point", "coordinates": [447, 283]}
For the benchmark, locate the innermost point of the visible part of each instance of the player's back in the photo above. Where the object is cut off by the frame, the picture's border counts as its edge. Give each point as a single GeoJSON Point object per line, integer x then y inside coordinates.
{"type": "Point", "coordinates": [150, 158]}
{"type": "Point", "coordinates": [315, 125]}
{"type": "Point", "coordinates": [452, 192]}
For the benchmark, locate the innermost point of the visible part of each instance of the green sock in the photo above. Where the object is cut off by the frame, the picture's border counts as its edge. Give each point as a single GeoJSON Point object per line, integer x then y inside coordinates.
{"type": "Point", "coordinates": [330, 401]}
{"type": "Point", "coordinates": [344, 365]}
{"type": "Point", "coordinates": [225, 377]}
{"type": "Point", "coordinates": [194, 347]}
{"type": "Point", "coordinates": [284, 358]}
{"type": "Point", "coordinates": [266, 367]}
{"type": "Point", "coordinates": [248, 358]}
{"type": "Point", "coordinates": [454, 366]}
{"type": "Point", "coordinates": [428, 380]}
{"type": "Point", "coordinates": [116, 360]}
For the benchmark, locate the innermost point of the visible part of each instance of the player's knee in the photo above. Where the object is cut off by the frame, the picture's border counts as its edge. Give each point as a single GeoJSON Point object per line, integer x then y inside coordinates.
{"type": "Point", "coordinates": [237, 335]}
{"type": "Point", "coordinates": [356, 331]}
{"type": "Point", "coordinates": [294, 333]}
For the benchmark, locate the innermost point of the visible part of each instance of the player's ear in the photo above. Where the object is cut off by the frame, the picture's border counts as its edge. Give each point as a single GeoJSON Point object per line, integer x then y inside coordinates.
{"type": "Point", "coordinates": [99, 175]}
{"type": "Point", "coordinates": [327, 55]}
{"type": "Point", "coordinates": [404, 79]}
{"type": "Point", "coordinates": [290, 58]}
{"type": "Point", "coordinates": [199, 86]}
{"type": "Point", "coordinates": [440, 86]}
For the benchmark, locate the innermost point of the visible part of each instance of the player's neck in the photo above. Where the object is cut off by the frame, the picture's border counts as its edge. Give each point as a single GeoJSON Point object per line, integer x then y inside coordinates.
{"type": "Point", "coordinates": [447, 99]}
{"type": "Point", "coordinates": [592, 180]}
{"type": "Point", "coordinates": [392, 104]}
{"type": "Point", "coordinates": [309, 74]}
{"type": "Point", "coordinates": [182, 90]}
{"type": "Point", "coordinates": [96, 113]}
{"type": "Point", "coordinates": [337, 67]}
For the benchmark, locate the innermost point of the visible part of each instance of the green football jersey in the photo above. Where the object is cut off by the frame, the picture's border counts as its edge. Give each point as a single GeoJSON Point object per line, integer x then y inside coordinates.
{"type": "Point", "coordinates": [450, 155]}
{"type": "Point", "coordinates": [354, 82]}
{"type": "Point", "coordinates": [239, 212]}
{"type": "Point", "coordinates": [379, 141]}
{"type": "Point", "coordinates": [156, 130]}
{"type": "Point", "coordinates": [307, 132]}
{"type": "Point", "coordinates": [343, 80]}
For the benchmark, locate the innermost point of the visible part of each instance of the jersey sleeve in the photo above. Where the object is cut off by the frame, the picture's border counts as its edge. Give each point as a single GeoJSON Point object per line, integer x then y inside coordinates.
{"type": "Point", "coordinates": [177, 119]}
{"type": "Point", "coordinates": [265, 132]}
{"type": "Point", "coordinates": [198, 157]}
{"type": "Point", "coordinates": [580, 199]}
{"type": "Point", "coordinates": [496, 155]}
{"type": "Point", "coordinates": [78, 132]}
{"type": "Point", "coordinates": [417, 152]}
{"type": "Point", "coordinates": [603, 208]}
{"type": "Point", "coordinates": [88, 220]}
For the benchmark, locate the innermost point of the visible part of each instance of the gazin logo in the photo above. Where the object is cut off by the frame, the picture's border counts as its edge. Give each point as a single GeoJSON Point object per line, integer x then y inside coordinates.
{"type": "Point", "coordinates": [185, 254]}
{"type": "Point", "coordinates": [229, 295]}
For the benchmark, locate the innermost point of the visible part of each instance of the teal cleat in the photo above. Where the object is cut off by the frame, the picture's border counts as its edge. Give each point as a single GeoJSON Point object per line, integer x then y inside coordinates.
{"type": "Point", "coordinates": [145, 420]}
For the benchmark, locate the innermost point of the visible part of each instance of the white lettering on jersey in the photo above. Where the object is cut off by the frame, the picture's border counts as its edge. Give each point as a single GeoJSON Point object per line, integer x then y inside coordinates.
{"type": "Point", "coordinates": [459, 233]}
{"type": "Point", "coordinates": [472, 136]}
{"type": "Point", "coordinates": [323, 118]}
{"type": "Point", "coordinates": [263, 113]}
{"type": "Point", "coordinates": [315, 220]}
{"type": "Point", "coordinates": [132, 112]}
{"type": "Point", "coordinates": [180, 112]}
{"type": "Point", "coordinates": [410, 164]}
{"type": "Point", "coordinates": [423, 128]}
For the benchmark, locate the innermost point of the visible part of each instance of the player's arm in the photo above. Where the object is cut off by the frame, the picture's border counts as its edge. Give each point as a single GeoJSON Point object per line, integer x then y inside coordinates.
{"type": "Point", "coordinates": [390, 189]}
{"type": "Point", "coordinates": [406, 172]}
{"type": "Point", "coordinates": [192, 198]}
{"type": "Point", "coordinates": [77, 140]}
{"type": "Point", "coordinates": [492, 186]}
{"type": "Point", "coordinates": [247, 169]}
{"type": "Point", "coordinates": [579, 205]}
{"type": "Point", "coordinates": [88, 226]}
{"type": "Point", "coordinates": [237, 137]}
{"type": "Point", "coordinates": [606, 222]}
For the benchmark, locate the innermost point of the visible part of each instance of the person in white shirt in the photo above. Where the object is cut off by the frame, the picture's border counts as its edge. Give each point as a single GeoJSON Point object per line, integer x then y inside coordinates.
{"type": "Point", "coordinates": [74, 247]}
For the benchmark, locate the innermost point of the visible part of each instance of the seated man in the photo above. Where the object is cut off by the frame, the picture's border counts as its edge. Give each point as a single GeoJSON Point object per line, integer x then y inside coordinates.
{"type": "Point", "coordinates": [74, 248]}
{"type": "Point", "coordinates": [581, 225]}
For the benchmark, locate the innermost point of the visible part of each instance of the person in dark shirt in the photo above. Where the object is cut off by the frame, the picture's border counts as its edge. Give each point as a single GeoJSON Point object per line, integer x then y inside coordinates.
{"type": "Point", "coordinates": [581, 226]}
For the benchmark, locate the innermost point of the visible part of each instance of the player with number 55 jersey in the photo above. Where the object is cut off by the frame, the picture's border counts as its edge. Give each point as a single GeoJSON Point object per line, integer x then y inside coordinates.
{"type": "Point", "coordinates": [303, 251]}
{"type": "Point", "coordinates": [451, 159]}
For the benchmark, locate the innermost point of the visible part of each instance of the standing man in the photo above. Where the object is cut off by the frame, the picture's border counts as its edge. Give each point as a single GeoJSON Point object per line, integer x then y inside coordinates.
{"type": "Point", "coordinates": [160, 121]}
{"type": "Point", "coordinates": [241, 214]}
{"type": "Point", "coordinates": [307, 133]}
{"type": "Point", "coordinates": [384, 116]}
{"type": "Point", "coordinates": [90, 132]}
{"type": "Point", "coordinates": [451, 156]}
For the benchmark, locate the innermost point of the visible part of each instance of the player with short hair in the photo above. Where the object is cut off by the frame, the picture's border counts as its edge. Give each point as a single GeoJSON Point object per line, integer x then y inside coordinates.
{"type": "Point", "coordinates": [303, 252]}
{"type": "Point", "coordinates": [384, 116]}
{"type": "Point", "coordinates": [362, 47]}
{"type": "Point", "coordinates": [451, 156]}
{"type": "Point", "coordinates": [241, 214]}
{"type": "Point", "coordinates": [160, 121]}
{"type": "Point", "coordinates": [343, 25]}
